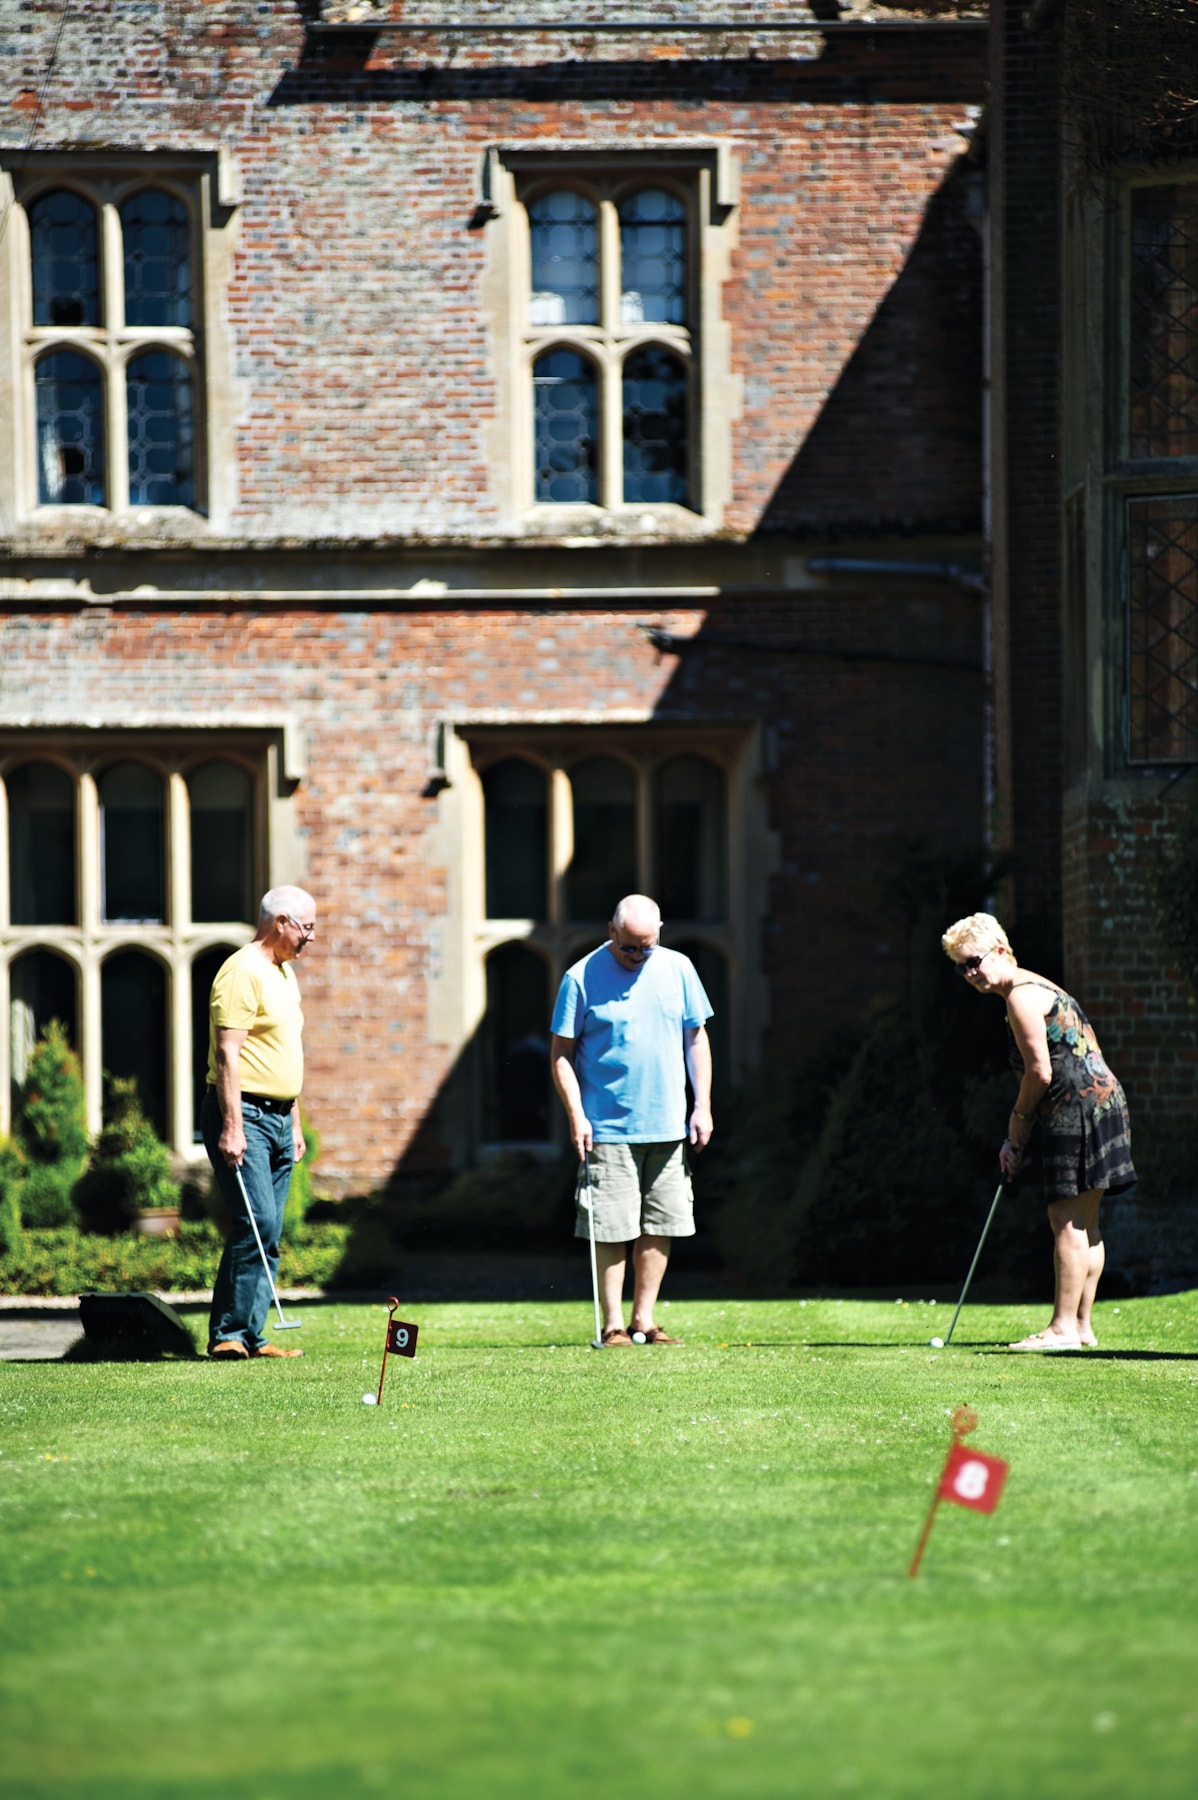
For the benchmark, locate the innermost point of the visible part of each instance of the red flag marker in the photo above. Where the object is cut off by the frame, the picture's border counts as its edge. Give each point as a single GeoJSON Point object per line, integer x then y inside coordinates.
{"type": "Point", "coordinates": [401, 1337]}
{"type": "Point", "coordinates": [970, 1478]}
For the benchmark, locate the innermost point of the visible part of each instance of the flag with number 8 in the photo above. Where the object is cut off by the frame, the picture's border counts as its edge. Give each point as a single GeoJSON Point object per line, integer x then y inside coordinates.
{"type": "Point", "coordinates": [973, 1479]}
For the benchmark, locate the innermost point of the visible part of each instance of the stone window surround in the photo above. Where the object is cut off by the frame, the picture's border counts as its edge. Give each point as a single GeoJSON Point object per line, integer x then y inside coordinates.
{"type": "Point", "coordinates": [704, 174]}
{"type": "Point", "coordinates": [458, 983]}
{"type": "Point", "coordinates": [172, 750]}
{"type": "Point", "coordinates": [206, 184]}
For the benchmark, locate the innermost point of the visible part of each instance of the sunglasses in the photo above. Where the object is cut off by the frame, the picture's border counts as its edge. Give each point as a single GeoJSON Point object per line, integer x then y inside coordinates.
{"type": "Point", "coordinates": [640, 951]}
{"type": "Point", "coordinates": [969, 965]}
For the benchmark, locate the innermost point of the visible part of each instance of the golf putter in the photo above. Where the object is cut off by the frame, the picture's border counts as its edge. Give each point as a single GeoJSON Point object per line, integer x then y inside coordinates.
{"type": "Point", "coordinates": [597, 1340]}
{"type": "Point", "coordinates": [284, 1324]}
{"type": "Point", "coordinates": [973, 1265]}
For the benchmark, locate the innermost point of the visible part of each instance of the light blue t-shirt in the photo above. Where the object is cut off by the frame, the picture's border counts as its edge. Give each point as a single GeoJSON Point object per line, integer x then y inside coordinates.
{"type": "Point", "coordinates": [629, 1058]}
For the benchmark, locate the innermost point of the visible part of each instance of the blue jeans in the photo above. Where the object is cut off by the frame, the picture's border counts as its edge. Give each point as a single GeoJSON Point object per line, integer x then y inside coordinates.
{"type": "Point", "coordinates": [241, 1293]}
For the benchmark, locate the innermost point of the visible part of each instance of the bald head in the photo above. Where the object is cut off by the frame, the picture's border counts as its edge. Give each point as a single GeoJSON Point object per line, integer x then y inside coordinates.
{"type": "Point", "coordinates": [638, 915]}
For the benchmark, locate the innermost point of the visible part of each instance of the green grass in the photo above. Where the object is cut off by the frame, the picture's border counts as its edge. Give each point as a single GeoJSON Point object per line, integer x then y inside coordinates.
{"type": "Point", "coordinates": [540, 1571]}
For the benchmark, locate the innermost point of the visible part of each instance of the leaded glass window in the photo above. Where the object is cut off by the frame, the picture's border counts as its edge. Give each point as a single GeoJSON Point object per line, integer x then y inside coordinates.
{"type": "Point", "coordinates": [42, 987]}
{"type": "Point", "coordinates": [564, 389]}
{"type": "Point", "coordinates": [161, 433]}
{"type": "Point", "coordinates": [655, 434]}
{"type": "Point", "coordinates": [204, 971]}
{"type": "Point", "coordinates": [604, 865]}
{"type": "Point", "coordinates": [517, 846]}
{"type": "Point", "coordinates": [70, 430]}
{"type": "Point", "coordinates": [1164, 320]}
{"type": "Point", "coordinates": [564, 229]}
{"type": "Point", "coordinates": [1163, 629]}
{"type": "Point", "coordinates": [41, 845]}
{"type": "Point", "coordinates": [221, 843]}
{"type": "Point", "coordinates": [155, 229]}
{"type": "Point", "coordinates": [652, 258]}
{"type": "Point", "coordinates": [131, 845]}
{"type": "Point", "coordinates": [133, 1028]}
{"type": "Point", "coordinates": [515, 1042]}
{"type": "Point", "coordinates": [66, 273]}
{"type": "Point", "coordinates": [691, 839]}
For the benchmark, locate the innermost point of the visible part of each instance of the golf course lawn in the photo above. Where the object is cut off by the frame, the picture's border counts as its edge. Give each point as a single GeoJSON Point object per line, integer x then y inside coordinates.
{"type": "Point", "coordinates": [539, 1570]}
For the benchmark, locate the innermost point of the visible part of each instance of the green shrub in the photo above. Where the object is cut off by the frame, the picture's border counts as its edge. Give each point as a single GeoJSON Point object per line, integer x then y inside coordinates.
{"type": "Point", "coordinates": [130, 1170]}
{"type": "Point", "coordinates": [12, 1174]}
{"type": "Point", "coordinates": [301, 1194]}
{"type": "Point", "coordinates": [51, 1119]}
{"type": "Point", "coordinates": [70, 1261]}
{"type": "Point", "coordinates": [46, 1194]}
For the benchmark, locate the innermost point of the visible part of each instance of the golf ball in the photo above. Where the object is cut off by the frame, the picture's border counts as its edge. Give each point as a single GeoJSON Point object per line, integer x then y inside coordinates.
{"type": "Point", "coordinates": [638, 1337]}
{"type": "Point", "coordinates": [936, 1343]}
{"type": "Point", "coordinates": [369, 1400]}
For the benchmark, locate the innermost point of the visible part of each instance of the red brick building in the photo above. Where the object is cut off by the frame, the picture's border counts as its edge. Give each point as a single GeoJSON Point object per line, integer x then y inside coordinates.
{"type": "Point", "coordinates": [1093, 491]}
{"type": "Point", "coordinates": [474, 473]}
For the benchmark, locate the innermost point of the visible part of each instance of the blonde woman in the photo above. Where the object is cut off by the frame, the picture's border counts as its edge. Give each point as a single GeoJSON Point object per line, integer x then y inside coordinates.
{"type": "Point", "coordinates": [1070, 1096]}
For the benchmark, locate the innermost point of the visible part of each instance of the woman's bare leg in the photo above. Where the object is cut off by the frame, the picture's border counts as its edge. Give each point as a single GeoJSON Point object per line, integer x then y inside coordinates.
{"type": "Point", "coordinates": [1085, 1330]}
{"type": "Point", "coordinates": [1077, 1264]}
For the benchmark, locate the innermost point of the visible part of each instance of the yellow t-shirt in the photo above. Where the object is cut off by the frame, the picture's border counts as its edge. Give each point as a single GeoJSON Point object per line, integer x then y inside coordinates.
{"type": "Point", "coordinates": [263, 998]}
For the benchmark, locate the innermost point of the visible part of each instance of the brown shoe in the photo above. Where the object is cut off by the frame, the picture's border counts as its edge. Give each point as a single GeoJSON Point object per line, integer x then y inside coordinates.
{"type": "Point", "coordinates": [274, 1350]}
{"type": "Point", "coordinates": [655, 1335]}
{"type": "Point", "coordinates": [228, 1350]}
{"type": "Point", "coordinates": [615, 1337]}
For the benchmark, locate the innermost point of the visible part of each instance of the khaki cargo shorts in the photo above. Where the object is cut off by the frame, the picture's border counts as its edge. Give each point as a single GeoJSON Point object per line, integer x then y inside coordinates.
{"type": "Point", "coordinates": [637, 1190]}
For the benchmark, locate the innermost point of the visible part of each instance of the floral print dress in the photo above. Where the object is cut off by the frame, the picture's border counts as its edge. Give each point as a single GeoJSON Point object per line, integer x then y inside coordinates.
{"type": "Point", "coordinates": [1083, 1132]}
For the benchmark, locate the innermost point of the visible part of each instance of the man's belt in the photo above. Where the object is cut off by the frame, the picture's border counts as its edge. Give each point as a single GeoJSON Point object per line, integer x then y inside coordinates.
{"type": "Point", "coordinates": [268, 1102]}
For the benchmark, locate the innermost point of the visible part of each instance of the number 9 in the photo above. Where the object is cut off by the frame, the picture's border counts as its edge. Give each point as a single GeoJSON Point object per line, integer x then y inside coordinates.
{"type": "Point", "coordinates": [401, 1337]}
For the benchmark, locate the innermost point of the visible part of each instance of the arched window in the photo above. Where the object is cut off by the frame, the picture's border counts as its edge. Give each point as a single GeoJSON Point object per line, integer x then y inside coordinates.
{"type": "Point", "coordinates": [203, 974]}
{"type": "Point", "coordinates": [42, 987]}
{"type": "Point", "coordinates": [564, 230]}
{"type": "Point", "coordinates": [656, 458]}
{"type": "Point", "coordinates": [652, 258]}
{"type": "Point", "coordinates": [604, 866]}
{"type": "Point", "coordinates": [566, 428]}
{"type": "Point", "coordinates": [131, 845]}
{"type": "Point", "coordinates": [70, 430]}
{"type": "Point", "coordinates": [221, 843]}
{"type": "Point", "coordinates": [692, 851]}
{"type": "Point", "coordinates": [517, 814]}
{"type": "Point", "coordinates": [155, 229]}
{"type": "Point", "coordinates": [515, 1047]}
{"type": "Point", "coordinates": [66, 285]}
{"type": "Point", "coordinates": [133, 1040]}
{"type": "Point", "coordinates": [712, 970]}
{"type": "Point", "coordinates": [41, 845]}
{"type": "Point", "coordinates": [161, 430]}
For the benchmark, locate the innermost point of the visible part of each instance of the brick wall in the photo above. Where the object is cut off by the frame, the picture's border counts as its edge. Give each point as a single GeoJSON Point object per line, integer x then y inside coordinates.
{"type": "Point", "coordinates": [362, 371]}
{"type": "Point", "coordinates": [864, 749]}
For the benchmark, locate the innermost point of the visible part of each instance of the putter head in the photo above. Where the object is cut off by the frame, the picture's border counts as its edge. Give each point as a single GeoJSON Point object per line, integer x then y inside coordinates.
{"type": "Point", "coordinates": [597, 1344]}
{"type": "Point", "coordinates": [287, 1324]}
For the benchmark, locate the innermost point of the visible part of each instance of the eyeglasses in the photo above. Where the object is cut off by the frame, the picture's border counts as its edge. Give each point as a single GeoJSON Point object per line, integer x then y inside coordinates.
{"type": "Point", "coordinates": [969, 965]}
{"type": "Point", "coordinates": [640, 951]}
{"type": "Point", "coordinates": [304, 930]}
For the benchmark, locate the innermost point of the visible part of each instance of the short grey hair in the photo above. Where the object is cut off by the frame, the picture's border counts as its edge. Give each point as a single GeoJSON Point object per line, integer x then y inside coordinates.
{"type": "Point", "coordinates": [286, 899]}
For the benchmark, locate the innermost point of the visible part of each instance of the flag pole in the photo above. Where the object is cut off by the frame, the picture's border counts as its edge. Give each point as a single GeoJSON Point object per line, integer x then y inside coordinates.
{"type": "Point", "coordinates": [964, 1421]}
{"type": "Point", "coordinates": [391, 1306]}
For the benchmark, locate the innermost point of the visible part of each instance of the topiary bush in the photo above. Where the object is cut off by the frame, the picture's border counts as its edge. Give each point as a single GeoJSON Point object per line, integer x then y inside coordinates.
{"type": "Point", "coordinates": [50, 1126]}
{"type": "Point", "coordinates": [129, 1172]}
{"type": "Point", "coordinates": [12, 1175]}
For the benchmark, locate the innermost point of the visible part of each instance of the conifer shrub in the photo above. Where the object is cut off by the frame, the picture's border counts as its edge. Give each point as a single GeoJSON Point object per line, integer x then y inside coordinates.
{"type": "Point", "coordinates": [12, 1175]}
{"type": "Point", "coordinates": [50, 1127]}
{"type": "Point", "coordinates": [130, 1170]}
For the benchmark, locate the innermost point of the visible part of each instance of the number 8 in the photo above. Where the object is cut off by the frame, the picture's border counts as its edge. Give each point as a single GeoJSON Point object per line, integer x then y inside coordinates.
{"type": "Point", "coordinates": [971, 1480]}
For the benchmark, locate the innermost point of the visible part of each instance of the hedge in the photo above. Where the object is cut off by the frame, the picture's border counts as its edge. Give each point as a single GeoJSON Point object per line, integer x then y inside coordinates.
{"type": "Point", "coordinates": [67, 1261]}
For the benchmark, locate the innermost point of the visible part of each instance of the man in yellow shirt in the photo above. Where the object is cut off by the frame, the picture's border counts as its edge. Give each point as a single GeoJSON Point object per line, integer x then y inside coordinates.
{"type": "Point", "coordinates": [250, 1117]}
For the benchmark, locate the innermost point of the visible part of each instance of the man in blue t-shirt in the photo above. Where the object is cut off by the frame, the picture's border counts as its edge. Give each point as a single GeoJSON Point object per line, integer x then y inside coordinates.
{"type": "Point", "coordinates": [628, 1027]}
